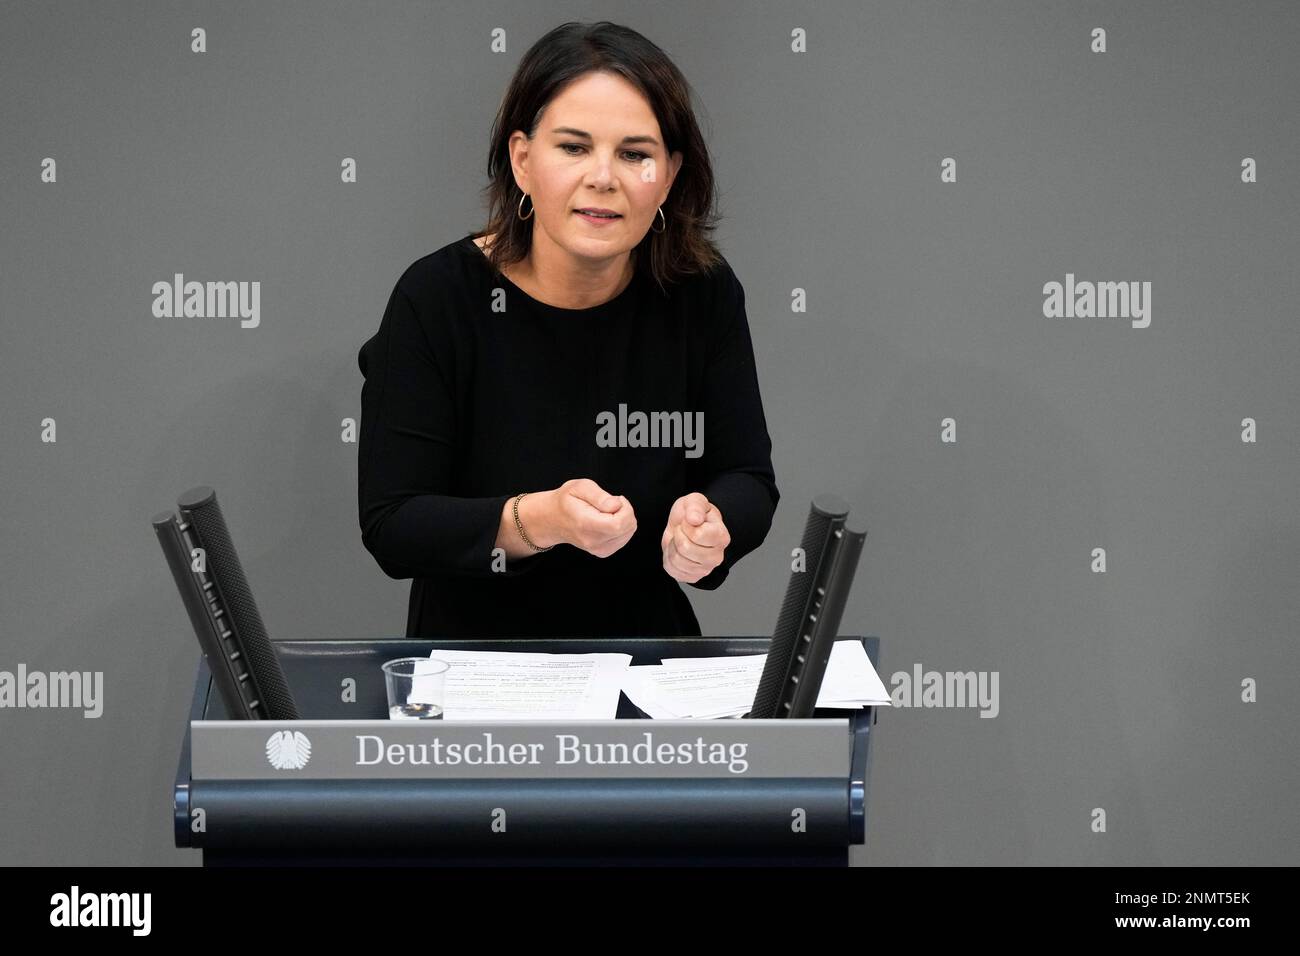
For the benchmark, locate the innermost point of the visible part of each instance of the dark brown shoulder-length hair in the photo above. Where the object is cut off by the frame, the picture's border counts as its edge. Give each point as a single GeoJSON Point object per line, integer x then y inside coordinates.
{"type": "Point", "coordinates": [563, 55]}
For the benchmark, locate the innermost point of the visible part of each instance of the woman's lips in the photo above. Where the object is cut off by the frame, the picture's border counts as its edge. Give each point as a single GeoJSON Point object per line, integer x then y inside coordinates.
{"type": "Point", "coordinates": [596, 220]}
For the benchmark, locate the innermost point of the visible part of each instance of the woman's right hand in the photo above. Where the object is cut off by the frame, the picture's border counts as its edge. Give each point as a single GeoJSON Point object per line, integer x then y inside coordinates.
{"type": "Point", "coordinates": [588, 517]}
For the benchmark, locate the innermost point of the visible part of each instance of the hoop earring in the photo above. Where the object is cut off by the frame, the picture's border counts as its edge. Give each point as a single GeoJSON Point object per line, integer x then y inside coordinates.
{"type": "Point", "coordinates": [521, 208]}
{"type": "Point", "coordinates": [663, 218]}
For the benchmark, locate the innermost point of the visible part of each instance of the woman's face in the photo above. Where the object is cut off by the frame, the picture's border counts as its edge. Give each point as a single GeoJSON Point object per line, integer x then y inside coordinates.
{"type": "Point", "coordinates": [619, 164]}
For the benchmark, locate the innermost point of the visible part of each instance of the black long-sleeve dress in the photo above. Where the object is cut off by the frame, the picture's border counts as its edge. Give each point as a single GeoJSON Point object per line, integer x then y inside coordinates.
{"type": "Point", "coordinates": [475, 392]}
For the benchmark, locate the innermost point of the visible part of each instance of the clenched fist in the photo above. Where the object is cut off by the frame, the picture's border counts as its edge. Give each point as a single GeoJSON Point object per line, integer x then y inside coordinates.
{"type": "Point", "coordinates": [695, 538]}
{"type": "Point", "coordinates": [590, 518]}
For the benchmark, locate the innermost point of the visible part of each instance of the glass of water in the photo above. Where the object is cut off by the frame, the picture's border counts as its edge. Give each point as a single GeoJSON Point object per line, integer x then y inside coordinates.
{"type": "Point", "coordinates": [416, 688]}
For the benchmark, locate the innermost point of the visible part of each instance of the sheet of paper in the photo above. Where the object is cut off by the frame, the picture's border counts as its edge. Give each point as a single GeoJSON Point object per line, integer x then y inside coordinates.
{"type": "Point", "coordinates": [642, 695]}
{"type": "Point", "coordinates": [850, 677]}
{"type": "Point", "coordinates": [509, 685]}
{"type": "Point", "coordinates": [707, 687]}
{"type": "Point", "coordinates": [703, 691]}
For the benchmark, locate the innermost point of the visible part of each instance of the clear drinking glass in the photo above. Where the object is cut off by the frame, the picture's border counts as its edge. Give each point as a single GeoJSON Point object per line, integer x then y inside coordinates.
{"type": "Point", "coordinates": [416, 688]}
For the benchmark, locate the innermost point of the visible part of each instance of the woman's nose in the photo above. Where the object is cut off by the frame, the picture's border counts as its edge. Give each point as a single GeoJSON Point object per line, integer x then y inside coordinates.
{"type": "Point", "coordinates": [600, 173]}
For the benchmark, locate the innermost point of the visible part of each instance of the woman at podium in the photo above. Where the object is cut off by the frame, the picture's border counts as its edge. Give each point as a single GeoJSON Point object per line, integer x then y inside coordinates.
{"type": "Point", "coordinates": [560, 417]}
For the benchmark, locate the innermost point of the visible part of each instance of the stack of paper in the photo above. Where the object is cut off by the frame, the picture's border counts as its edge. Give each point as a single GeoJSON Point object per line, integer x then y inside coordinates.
{"type": "Point", "coordinates": [513, 685]}
{"type": "Point", "coordinates": [510, 685]}
{"type": "Point", "coordinates": [708, 687]}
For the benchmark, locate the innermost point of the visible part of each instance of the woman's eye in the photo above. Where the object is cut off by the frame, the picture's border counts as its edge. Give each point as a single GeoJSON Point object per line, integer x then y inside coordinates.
{"type": "Point", "coordinates": [626, 152]}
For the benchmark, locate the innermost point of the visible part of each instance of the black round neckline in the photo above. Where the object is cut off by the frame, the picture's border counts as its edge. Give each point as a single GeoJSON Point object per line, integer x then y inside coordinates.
{"type": "Point", "coordinates": [544, 307]}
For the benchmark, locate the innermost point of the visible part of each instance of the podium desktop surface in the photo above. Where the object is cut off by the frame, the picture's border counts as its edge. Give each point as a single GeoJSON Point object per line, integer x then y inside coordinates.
{"type": "Point", "coordinates": [315, 672]}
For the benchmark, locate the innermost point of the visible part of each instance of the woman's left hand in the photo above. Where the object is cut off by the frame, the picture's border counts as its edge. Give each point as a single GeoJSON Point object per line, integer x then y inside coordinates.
{"type": "Point", "coordinates": [695, 538]}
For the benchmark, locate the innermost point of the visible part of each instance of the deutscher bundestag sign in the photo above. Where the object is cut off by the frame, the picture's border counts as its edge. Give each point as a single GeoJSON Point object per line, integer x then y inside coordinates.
{"type": "Point", "coordinates": [373, 749]}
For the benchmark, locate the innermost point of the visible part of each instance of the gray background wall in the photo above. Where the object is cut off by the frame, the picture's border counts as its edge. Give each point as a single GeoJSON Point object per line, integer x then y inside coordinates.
{"type": "Point", "coordinates": [1119, 690]}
